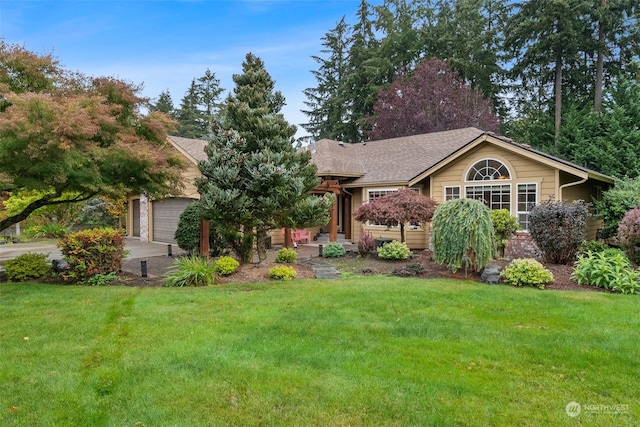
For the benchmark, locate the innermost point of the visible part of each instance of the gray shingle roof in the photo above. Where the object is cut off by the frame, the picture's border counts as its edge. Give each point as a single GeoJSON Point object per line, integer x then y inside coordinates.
{"type": "Point", "coordinates": [192, 147]}
{"type": "Point", "coordinates": [390, 160]}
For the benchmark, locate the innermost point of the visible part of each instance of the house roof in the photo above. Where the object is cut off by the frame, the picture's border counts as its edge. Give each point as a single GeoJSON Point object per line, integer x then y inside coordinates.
{"type": "Point", "coordinates": [192, 148]}
{"type": "Point", "coordinates": [410, 158]}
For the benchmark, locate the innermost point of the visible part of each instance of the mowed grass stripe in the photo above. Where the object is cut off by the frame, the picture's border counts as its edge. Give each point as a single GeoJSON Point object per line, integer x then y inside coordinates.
{"type": "Point", "coordinates": [362, 351]}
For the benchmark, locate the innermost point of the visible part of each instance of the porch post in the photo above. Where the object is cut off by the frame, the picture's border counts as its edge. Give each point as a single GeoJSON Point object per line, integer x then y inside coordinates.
{"type": "Point", "coordinates": [204, 238]}
{"type": "Point", "coordinates": [333, 222]}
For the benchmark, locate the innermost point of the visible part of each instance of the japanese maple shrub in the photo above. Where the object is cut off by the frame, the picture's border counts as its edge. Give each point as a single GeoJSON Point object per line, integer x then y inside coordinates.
{"type": "Point", "coordinates": [558, 228]}
{"type": "Point", "coordinates": [629, 235]}
{"type": "Point", "coordinates": [463, 235]}
{"type": "Point", "coordinates": [93, 251]}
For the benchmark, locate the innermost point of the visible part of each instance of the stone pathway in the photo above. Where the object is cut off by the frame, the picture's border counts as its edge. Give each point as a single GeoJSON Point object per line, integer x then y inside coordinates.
{"type": "Point", "coordinates": [323, 269]}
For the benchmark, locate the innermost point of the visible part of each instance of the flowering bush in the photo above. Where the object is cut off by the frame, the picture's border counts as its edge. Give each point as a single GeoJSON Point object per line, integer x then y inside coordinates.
{"type": "Point", "coordinates": [366, 243]}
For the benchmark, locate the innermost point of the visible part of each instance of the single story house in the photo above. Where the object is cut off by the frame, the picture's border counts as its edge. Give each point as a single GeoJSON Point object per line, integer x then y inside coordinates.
{"type": "Point", "coordinates": [444, 165]}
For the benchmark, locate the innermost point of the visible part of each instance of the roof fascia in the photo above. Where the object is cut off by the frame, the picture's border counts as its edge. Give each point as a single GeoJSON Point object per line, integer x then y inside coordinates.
{"type": "Point", "coordinates": [184, 153]}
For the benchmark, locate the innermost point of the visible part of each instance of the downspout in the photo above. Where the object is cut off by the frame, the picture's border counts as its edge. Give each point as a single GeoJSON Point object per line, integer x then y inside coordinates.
{"type": "Point", "coordinates": [571, 184]}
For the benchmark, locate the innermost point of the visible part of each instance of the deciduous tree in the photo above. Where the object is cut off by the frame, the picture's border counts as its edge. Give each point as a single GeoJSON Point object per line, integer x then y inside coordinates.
{"type": "Point", "coordinates": [62, 134]}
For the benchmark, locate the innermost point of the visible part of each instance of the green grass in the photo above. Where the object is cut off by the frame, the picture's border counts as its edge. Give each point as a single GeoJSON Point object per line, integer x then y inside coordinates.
{"type": "Point", "coordinates": [380, 351]}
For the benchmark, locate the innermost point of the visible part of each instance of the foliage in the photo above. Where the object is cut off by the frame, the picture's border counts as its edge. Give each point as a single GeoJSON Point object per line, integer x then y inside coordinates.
{"type": "Point", "coordinates": [526, 272]}
{"type": "Point", "coordinates": [433, 98]}
{"type": "Point", "coordinates": [287, 256]}
{"type": "Point", "coordinates": [333, 250]}
{"type": "Point", "coordinates": [591, 246]}
{"type": "Point", "coordinates": [225, 265]}
{"type": "Point", "coordinates": [103, 211]}
{"type": "Point", "coordinates": [366, 243]}
{"type": "Point", "coordinates": [629, 235]}
{"type": "Point", "coordinates": [394, 250]}
{"type": "Point", "coordinates": [47, 230]}
{"type": "Point", "coordinates": [616, 202]}
{"type": "Point", "coordinates": [282, 272]}
{"type": "Point", "coordinates": [199, 107]}
{"type": "Point", "coordinates": [67, 134]}
{"type": "Point", "coordinates": [609, 269]}
{"type": "Point", "coordinates": [397, 208]}
{"type": "Point", "coordinates": [504, 225]}
{"type": "Point", "coordinates": [27, 266]}
{"type": "Point", "coordinates": [100, 279]}
{"type": "Point", "coordinates": [187, 234]}
{"type": "Point", "coordinates": [463, 235]}
{"type": "Point", "coordinates": [253, 179]}
{"type": "Point", "coordinates": [93, 251]}
{"type": "Point", "coordinates": [191, 270]}
{"type": "Point", "coordinates": [558, 228]}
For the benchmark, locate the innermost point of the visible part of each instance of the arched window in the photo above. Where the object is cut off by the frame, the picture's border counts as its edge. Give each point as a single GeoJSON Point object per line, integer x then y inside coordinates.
{"type": "Point", "coordinates": [488, 170]}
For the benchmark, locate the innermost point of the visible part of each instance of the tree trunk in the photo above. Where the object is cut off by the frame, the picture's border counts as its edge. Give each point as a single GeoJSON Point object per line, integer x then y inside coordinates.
{"type": "Point", "coordinates": [261, 236]}
{"type": "Point", "coordinates": [402, 232]}
{"type": "Point", "coordinates": [600, 61]}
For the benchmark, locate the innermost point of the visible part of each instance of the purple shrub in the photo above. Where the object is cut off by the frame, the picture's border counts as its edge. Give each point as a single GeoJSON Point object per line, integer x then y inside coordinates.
{"type": "Point", "coordinates": [629, 235]}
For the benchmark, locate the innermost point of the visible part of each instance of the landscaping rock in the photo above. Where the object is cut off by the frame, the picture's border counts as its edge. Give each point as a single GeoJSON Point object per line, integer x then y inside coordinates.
{"type": "Point", "coordinates": [491, 274]}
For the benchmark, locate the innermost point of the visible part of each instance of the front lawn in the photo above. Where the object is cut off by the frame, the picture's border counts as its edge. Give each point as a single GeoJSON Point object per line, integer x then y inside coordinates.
{"type": "Point", "coordinates": [363, 351]}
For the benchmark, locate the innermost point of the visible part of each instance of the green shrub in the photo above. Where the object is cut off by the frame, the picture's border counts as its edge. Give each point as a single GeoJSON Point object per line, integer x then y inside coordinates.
{"type": "Point", "coordinates": [629, 235]}
{"type": "Point", "coordinates": [49, 229]}
{"type": "Point", "coordinates": [187, 234]}
{"type": "Point", "coordinates": [191, 270]}
{"type": "Point", "coordinates": [366, 243]}
{"type": "Point", "coordinates": [609, 269]}
{"type": "Point", "coordinates": [93, 251]}
{"type": "Point", "coordinates": [591, 246]}
{"type": "Point", "coordinates": [558, 228]}
{"type": "Point", "coordinates": [616, 202]}
{"type": "Point", "coordinates": [287, 256]}
{"type": "Point", "coordinates": [504, 225]}
{"type": "Point", "coordinates": [526, 272]}
{"type": "Point", "coordinates": [27, 266]}
{"type": "Point", "coordinates": [100, 279]}
{"type": "Point", "coordinates": [225, 265]}
{"type": "Point", "coordinates": [394, 250]}
{"type": "Point", "coordinates": [333, 250]}
{"type": "Point", "coordinates": [282, 272]}
{"type": "Point", "coordinates": [463, 235]}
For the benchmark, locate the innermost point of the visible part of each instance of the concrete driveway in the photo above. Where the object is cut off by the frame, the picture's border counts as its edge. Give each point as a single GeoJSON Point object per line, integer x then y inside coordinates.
{"type": "Point", "coordinates": [136, 248]}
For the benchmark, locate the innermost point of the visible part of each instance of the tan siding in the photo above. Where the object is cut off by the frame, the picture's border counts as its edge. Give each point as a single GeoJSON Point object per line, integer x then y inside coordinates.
{"type": "Point", "coordinates": [189, 175]}
{"type": "Point", "coordinates": [356, 202]}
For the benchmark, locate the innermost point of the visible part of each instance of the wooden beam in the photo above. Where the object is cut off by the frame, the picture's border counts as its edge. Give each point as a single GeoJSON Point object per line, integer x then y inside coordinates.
{"type": "Point", "coordinates": [204, 238]}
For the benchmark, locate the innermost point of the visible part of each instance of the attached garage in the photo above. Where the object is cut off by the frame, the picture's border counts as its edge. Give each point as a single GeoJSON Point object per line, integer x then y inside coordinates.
{"type": "Point", "coordinates": [165, 218]}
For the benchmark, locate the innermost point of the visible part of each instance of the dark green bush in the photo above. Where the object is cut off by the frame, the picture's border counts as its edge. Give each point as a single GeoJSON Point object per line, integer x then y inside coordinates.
{"type": "Point", "coordinates": [526, 272]}
{"type": "Point", "coordinates": [558, 228]}
{"type": "Point", "coordinates": [616, 202]}
{"type": "Point", "coordinates": [93, 251]}
{"type": "Point", "coordinates": [191, 270]}
{"type": "Point", "coordinates": [333, 250]}
{"type": "Point", "coordinates": [394, 250]}
{"type": "Point", "coordinates": [287, 256]}
{"type": "Point", "coordinates": [609, 269]}
{"type": "Point", "coordinates": [27, 266]}
{"type": "Point", "coordinates": [504, 225]}
{"type": "Point", "coordinates": [187, 234]}
{"type": "Point", "coordinates": [591, 246]}
{"type": "Point", "coordinates": [463, 235]}
{"type": "Point", "coordinates": [225, 265]}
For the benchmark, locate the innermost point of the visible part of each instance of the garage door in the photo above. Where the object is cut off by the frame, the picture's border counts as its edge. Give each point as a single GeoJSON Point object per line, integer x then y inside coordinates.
{"type": "Point", "coordinates": [166, 214]}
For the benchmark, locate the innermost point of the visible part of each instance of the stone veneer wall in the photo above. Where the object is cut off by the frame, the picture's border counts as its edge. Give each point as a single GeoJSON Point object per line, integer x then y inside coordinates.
{"type": "Point", "coordinates": [521, 245]}
{"type": "Point", "coordinates": [144, 218]}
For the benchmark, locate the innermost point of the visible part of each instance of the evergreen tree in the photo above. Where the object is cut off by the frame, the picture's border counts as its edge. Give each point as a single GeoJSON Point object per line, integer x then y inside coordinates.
{"type": "Point", "coordinates": [254, 180]}
{"type": "Point", "coordinates": [164, 104]}
{"type": "Point", "coordinates": [328, 114]}
{"type": "Point", "coordinates": [191, 121]}
{"type": "Point", "coordinates": [208, 93]}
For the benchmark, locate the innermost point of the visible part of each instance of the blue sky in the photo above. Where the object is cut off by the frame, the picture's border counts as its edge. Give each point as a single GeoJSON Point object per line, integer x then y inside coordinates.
{"type": "Point", "coordinates": [165, 44]}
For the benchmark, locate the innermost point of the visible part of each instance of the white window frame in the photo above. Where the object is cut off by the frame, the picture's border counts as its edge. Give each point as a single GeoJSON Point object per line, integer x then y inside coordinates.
{"type": "Point", "coordinates": [453, 189]}
{"type": "Point", "coordinates": [524, 223]}
{"type": "Point", "coordinates": [493, 173]}
{"type": "Point", "coordinates": [491, 204]}
{"type": "Point", "coordinates": [387, 190]}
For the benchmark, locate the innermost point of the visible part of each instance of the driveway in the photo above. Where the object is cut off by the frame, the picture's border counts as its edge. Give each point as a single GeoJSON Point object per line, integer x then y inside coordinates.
{"type": "Point", "coordinates": [136, 248]}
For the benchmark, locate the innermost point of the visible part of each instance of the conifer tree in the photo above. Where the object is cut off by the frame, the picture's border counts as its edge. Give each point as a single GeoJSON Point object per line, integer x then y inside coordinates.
{"type": "Point", "coordinates": [254, 180]}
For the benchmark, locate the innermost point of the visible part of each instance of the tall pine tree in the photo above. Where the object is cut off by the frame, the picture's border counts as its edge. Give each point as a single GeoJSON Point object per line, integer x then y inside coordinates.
{"type": "Point", "coordinates": [254, 180]}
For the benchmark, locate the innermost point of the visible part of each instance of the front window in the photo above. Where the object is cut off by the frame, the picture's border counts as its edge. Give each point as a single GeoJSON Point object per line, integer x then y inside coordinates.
{"type": "Point", "coordinates": [374, 194]}
{"type": "Point", "coordinates": [527, 199]}
{"type": "Point", "coordinates": [487, 170]}
{"type": "Point", "coordinates": [452, 193]}
{"type": "Point", "coordinates": [494, 196]}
